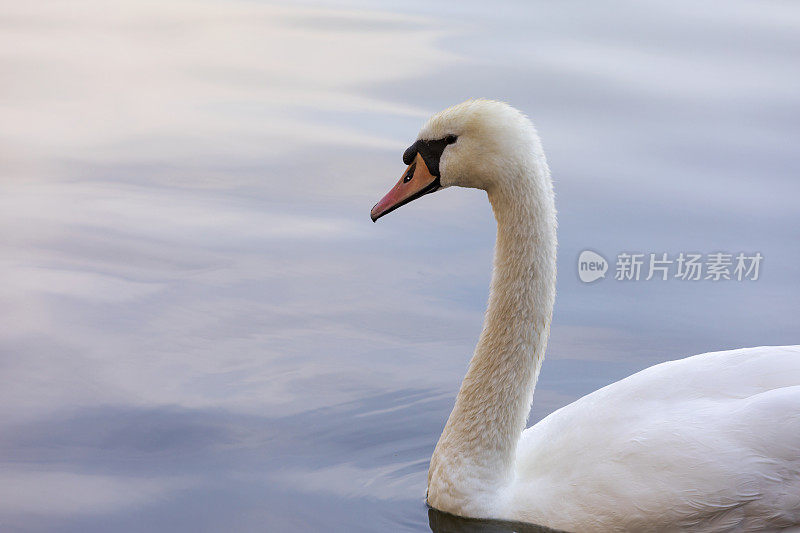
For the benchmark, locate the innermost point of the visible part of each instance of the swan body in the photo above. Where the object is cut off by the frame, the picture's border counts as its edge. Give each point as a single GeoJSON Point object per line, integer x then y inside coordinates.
{"type": "Point", "coordinates": [706, 443]}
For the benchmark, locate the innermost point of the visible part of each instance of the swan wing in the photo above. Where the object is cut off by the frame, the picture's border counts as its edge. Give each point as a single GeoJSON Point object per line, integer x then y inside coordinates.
{"type": "Point", "coordinates": [710, 443]}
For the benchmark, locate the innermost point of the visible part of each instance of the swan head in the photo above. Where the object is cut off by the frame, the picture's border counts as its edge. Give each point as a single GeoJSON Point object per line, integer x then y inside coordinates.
{"type": "Point", "coordinates": [481, 144]}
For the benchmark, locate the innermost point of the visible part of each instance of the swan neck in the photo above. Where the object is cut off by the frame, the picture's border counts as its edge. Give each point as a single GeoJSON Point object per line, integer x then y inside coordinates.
{"type": "Point", "coordinates": [491, 410]}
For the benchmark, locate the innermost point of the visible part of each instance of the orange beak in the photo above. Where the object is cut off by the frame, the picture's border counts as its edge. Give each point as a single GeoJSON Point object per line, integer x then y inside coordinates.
{"type": "Point", "coordinates": [417, 181]}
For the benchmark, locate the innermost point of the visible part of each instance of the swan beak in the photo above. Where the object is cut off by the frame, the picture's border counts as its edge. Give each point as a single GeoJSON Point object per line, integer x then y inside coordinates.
{"type": "Point", "coordinates": [416, 181]}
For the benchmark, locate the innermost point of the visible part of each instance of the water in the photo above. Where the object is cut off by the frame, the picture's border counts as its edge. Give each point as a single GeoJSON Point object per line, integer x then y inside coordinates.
{"type": "Point", "coordinates": [203, 331]}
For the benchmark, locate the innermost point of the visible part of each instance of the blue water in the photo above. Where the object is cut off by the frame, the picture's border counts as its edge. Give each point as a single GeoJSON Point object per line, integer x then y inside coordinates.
{"type": "Point", "coordinates": [203, 331]}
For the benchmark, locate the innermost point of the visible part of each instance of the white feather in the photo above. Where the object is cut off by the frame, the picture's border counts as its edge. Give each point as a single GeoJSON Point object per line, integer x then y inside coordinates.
{"type": "Point", "coordinates": [706, 443]}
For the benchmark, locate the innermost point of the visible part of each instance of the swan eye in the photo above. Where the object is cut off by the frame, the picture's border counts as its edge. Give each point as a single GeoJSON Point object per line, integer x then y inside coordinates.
{"type": "Point", "coordinates": [409, 173]}
{"type": "Point", "coordinates": [450, 139]}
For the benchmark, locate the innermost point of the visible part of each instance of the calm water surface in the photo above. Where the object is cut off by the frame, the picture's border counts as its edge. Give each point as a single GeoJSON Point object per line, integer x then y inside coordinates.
{"type": "Point", "coordinates": [202, 330]}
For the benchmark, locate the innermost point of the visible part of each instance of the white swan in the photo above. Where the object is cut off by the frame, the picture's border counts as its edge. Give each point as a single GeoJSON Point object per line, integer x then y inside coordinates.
{"type": "Point", "coordinates": [706, 443]}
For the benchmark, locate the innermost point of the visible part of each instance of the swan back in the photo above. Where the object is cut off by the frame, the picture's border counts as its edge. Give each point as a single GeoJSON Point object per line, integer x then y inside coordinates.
{"type": "Point", "coordinates": [707, 443]}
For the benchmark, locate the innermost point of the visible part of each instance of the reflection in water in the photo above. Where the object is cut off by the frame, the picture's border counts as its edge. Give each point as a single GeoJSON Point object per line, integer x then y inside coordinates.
{"type": "Point", "coordinates": [447, 523]}
{"type": "Point", "coordinates": [202, 331]}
